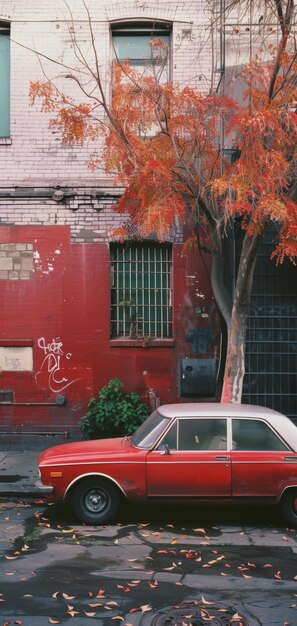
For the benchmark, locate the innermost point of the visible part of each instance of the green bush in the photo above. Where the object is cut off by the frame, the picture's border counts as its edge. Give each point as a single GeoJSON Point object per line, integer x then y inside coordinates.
{"type": "Point", "coordinates": [114, 413]}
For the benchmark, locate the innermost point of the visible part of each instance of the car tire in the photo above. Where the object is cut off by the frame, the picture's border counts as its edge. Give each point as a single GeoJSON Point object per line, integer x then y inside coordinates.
{"type": "Point", "coordinates": [289, 507]}
{"type": "Point", "coordinates": [95, 501]}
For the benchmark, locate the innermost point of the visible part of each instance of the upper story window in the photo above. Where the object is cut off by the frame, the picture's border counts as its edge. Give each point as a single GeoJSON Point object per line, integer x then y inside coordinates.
{"type": "Point", "coordinates": [4, 79]}
{"type": "Point", "coordinates": [132, 43]}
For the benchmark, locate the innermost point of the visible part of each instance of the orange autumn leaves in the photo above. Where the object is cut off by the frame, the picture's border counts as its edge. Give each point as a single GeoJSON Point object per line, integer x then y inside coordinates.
{"type": "Point", "coordinates": [258, 185]}
{"type": "Point", "coordinates": [162, 143]}
{"type": "Point", "coordinates": [73, 120]}
{"type": "Point", "coordinates": [171, 149]}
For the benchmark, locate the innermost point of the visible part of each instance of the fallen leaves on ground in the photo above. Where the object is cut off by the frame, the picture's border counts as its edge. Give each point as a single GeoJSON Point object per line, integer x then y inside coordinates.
{"type": "Point", "coordinates": [206, 601]}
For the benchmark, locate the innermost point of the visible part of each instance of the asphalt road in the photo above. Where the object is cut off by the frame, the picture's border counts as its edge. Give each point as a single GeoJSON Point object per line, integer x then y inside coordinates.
{"type": "Point", "coordinates": [162, 566]}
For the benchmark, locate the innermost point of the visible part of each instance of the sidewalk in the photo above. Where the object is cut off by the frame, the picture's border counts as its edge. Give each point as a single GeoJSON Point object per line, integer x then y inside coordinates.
{"type": "Point", "coordinates": [18, 474]}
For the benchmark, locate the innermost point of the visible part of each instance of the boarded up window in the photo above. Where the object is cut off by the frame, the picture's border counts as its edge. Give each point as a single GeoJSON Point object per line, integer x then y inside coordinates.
{"type": "Point", "coordinates": [16, 359]}
{"type": "Point", "coordinates": [16, 261]}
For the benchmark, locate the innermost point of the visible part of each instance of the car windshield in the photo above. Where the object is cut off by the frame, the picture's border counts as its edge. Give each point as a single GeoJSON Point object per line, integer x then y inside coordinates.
{"type": "Point", "coordinates": [148, 433]}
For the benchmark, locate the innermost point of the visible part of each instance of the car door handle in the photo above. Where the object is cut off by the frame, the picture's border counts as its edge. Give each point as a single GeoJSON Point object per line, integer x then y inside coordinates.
{"type": "Point", "coordinates": [222, 457]}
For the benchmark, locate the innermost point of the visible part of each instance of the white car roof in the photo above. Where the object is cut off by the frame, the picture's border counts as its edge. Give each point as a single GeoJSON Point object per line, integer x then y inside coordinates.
{"type": "Point", "coordinates": [216, 409]}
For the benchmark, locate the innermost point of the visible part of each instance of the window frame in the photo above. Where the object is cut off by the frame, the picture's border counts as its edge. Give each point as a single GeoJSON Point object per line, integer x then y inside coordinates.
{"type": "Point", "coordinates": [273, 432]}
{"type": "Point", "coordinates": [146, 334]}
{"type": "Point", "coordinates": [5, 81]}
{"type": "Point", "coordinates": [152, 28]}
{"type": "Point", "coordinates": [179, 422]}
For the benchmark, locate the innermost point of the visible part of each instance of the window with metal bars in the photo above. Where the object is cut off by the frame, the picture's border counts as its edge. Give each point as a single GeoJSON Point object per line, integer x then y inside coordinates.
{"type": "Point", "coordinates": [4, 79]}
{"type": "Point", "coordinates": [271, 342]}
{"type": "Point", "coordinates": [6, 396]}
{"type": "Point", "coordinates": [141, 291]}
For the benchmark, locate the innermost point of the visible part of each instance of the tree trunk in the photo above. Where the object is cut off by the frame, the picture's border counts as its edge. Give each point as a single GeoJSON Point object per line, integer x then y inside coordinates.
{"type": "Point", "coordinates": [235, 361]}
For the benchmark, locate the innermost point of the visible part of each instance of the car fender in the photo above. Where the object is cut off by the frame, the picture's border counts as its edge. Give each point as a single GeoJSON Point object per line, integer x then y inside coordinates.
{"type": "Point", "coordinates": [90, 475]}
{"type": "Point", "coordinates": [280, 495]}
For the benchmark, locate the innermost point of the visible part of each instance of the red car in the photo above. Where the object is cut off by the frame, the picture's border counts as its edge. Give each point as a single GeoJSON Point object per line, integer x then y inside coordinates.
{"type": "Point", "coordinates": [194, 452]}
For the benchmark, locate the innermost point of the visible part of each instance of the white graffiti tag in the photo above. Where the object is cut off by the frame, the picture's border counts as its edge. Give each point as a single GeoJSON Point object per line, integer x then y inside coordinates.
{"type": "Point", "coordinates": [52, 364]}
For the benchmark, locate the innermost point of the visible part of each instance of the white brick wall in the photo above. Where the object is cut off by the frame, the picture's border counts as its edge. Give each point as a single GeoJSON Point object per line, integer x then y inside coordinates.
{"type": "Point", "coordinates": [34, 156]}
{"type": "Point", "coordinates": [89, 218]}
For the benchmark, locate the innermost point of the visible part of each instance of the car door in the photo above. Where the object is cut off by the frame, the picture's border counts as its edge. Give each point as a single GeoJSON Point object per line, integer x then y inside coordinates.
{"type": "Point", "coordinates": [260, 459]}
{"type": "Point", "coordinates": [192, 460]}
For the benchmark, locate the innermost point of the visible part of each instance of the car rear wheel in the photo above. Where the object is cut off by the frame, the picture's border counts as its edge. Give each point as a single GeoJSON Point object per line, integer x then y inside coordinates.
{"type": "Point", "coordinates": [289, 506]}
{"type": "Point", "coordinates": [96, 501]}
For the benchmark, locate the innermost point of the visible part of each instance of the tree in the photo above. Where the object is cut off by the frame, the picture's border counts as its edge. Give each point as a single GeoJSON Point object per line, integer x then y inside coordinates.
{"type": "Point", "coordinates": [163, 144]}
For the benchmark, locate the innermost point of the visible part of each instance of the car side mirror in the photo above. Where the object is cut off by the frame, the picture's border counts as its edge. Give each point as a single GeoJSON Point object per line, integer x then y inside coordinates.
{"type": "Point", "coordinates": [164, 448]}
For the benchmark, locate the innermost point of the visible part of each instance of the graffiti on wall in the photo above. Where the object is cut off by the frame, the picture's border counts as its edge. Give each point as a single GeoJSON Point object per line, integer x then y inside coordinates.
{"type": "Point", "coordinates": [201, 327]}
{"type": "Point", "coordinates": [52, 365]}
{"type": "Point", "coordinates": [46, 265]}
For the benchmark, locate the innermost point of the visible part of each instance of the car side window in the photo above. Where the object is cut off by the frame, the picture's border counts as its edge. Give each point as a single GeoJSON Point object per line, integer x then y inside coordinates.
{"type": "Point", "coordinates": [202, 434]}
{"type": "Point", "coordinates": [170, 438]}
{"type": "Point", "coordinates": [254, 435]}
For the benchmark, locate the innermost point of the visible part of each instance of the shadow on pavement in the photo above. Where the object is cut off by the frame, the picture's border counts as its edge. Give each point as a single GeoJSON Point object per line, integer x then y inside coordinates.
{"type": "Point", "coordinates": [183, 516]}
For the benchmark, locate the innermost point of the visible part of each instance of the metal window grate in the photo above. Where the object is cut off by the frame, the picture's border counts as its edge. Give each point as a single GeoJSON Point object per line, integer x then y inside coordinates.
{"type": "Point", "coordinates": [6, 396]}
{"type": "Point", "coordinates": [141, 291]}
{"type": "Point", "coordinates": [271, 344]}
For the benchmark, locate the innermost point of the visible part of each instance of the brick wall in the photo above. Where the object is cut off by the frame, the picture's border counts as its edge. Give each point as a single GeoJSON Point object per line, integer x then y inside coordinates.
{"type": "Point", "coordinates": [91, 219]}
{"type": "Point", "coordinates": [56, 221]}
{"type": "Point", "coordinates": [33, 158]}
{"type": "Point", "coordinates": [16, 261]}
{"type": "Point", "coordinates": [34, 154]}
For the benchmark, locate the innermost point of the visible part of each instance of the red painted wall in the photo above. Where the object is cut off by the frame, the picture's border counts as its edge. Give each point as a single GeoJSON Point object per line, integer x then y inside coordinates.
{"type": "Point", "coordinates": [63, 312]}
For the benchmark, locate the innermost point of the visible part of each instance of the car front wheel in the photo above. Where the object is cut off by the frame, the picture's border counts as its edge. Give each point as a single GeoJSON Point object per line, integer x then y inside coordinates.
{"type": "Point", "coordinates": [289, 507]}
{"type": "Point", "coordinates": [95, 501]}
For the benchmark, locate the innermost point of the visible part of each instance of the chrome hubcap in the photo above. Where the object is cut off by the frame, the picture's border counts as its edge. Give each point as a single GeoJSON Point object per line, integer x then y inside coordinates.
{"type": "Point", "coordinates": [96, 500]}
